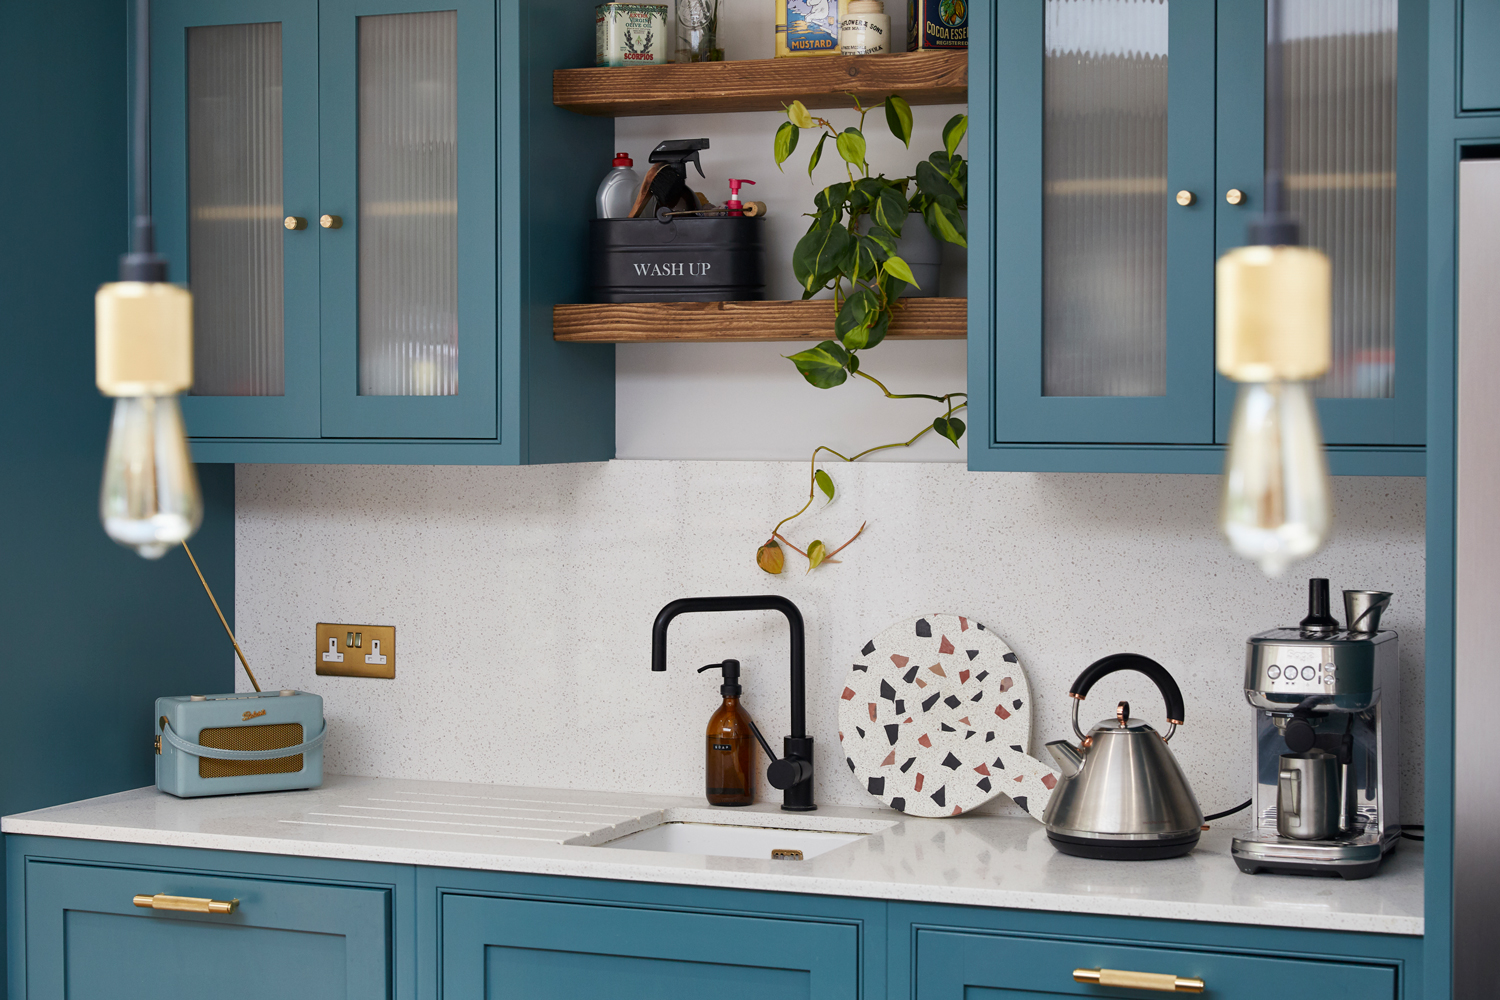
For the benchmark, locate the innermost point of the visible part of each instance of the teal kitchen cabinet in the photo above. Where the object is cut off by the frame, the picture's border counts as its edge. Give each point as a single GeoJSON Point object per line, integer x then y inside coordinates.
{"type": "Point", "coordinates": [966, 953]}
{"type": "Point", "coordinates": [319, 928]}
{"type": "Point", "coordinates": [495, 947]}
{"type": "Point", "coordinates": [376, 205]}
{"type": "Point", "coordinates": [1116, 151]}
{"type": "Point", "coordinates": [314, 930]}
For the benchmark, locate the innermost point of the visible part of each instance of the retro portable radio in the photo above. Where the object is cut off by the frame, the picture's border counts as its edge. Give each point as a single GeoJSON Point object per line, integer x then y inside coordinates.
{"type": "Point", "coordinates": [229, 744]}
{"type": "Point", "coordinates": [224, 744]}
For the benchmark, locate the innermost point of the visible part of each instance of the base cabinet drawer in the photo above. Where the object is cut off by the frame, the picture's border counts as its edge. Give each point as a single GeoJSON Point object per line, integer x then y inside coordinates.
{"type": "Point", "coordinates": [540, 950]}
{"type": "Point", "coordinates": [952, 965]}
{"type": "Point", "coordinates": [86, 939]}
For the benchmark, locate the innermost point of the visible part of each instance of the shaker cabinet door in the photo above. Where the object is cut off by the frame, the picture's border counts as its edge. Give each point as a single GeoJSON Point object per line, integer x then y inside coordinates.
{"type": "Point", "coordinates": [408, 165]}
{"type": "Point", "coordinates": [1097, 278]}
{"type": "Point", "coordinates": [86, 940]}
{"type": "Point", "coordinates": [1355, 99]}
{"type": "Point", "coordinates": [952, 965]}
{"type": "Point", "coordinates": [234, 155]}
{"type": "Point", "coordinates": [498, 947]}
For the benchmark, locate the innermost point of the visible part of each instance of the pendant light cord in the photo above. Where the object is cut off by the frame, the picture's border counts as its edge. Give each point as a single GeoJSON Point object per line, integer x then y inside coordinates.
{"type": "Point", "coordinates": [232, 639]}
{"type": "Point", "coordinates": [142, 263]}
{"type": "Point", "coordinates": [1275, 226]}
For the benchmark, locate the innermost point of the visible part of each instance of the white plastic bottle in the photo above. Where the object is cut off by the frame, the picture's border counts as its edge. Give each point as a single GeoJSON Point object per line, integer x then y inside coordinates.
{"type": "Point", "coordinates": [617, 192]}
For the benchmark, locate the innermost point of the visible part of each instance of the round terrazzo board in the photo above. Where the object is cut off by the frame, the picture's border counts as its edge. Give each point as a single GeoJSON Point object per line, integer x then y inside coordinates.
{"type": "Point", "coordinates": [935, 719]}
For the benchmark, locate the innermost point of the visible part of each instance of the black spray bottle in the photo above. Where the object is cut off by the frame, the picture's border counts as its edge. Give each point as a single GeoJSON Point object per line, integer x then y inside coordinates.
{"type": "Point", "coordinates": [729, 756]}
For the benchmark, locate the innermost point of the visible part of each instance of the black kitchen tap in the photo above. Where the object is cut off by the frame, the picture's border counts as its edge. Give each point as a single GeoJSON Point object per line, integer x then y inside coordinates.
{"type": "Point", "coordinates": [793, 772]}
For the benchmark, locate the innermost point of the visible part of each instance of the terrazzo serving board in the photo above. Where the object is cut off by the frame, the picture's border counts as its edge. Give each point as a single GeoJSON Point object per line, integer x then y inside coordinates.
{"type": "Point", "coordinates": [935, 720]}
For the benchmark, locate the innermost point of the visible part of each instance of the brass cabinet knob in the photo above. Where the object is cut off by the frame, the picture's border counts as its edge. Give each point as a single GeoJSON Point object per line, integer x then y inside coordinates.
{"type": "Point", "coordinates": [1186, 198]}
{"type": "Point", "coordinates": [295, 222]}
{"type": "Point", "coordinates": [331, 222]}
{"type": "Point", "coordinates": [1234, 196]}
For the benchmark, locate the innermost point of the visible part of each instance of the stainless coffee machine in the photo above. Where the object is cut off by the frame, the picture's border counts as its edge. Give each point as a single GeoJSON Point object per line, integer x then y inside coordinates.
{"type": "Point", "coordinates": [1325, 793]}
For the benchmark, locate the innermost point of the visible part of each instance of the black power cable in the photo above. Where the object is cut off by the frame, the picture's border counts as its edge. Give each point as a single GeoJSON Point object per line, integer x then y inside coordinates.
{"type": "Point", "coordinates": [1228, 812]}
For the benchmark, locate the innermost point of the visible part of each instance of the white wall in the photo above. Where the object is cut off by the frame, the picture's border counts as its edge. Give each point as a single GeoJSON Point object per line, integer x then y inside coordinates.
{"type": "Point", "coordinates": [523, 600]}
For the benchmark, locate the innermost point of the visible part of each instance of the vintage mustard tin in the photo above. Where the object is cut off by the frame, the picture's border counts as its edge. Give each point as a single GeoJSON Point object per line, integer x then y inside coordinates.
{"type": "Point", "coordinates": [630, 34]}
{"type": "Point", "coordinates": [937, 24]}
{"type": "Point", "coordinates": [807, 27]}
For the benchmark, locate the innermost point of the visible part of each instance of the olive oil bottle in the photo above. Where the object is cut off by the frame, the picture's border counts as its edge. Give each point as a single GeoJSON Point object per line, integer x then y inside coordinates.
{"type": "Point", "coordinates": [729, 751]}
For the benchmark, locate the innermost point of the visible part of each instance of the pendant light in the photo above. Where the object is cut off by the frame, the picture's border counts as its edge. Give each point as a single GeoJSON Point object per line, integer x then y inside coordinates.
{"type": "Point", "coordinates": [1274, 337]}
{"type": "Point", "coordinates": [143, 341]}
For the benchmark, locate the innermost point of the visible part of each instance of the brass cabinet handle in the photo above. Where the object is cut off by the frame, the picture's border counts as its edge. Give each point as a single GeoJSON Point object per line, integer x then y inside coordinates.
{"type": "Point", "coordinates": [331, 222]}
{"type": "Point", "coordinates": [1163, 982]}
{"type": "Point", "coordinates": [186, 904]}
{"type": "Point", "coordinates": [295, 222]}
{"type": "Point", "coordinates": [1186, 198]}
{"type": "Point", "coordinates": [1234, 196]}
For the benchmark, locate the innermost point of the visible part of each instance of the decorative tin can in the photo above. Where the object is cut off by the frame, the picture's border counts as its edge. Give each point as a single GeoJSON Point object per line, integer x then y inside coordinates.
{"type": "Point", "coordinates": [807, 27]}
{"type": "Point", "coordinates": [937, 24]}
{"type": "Point", "coordinates": [691, 259]}
{"type": "Point", "coordinates": [630, 34]}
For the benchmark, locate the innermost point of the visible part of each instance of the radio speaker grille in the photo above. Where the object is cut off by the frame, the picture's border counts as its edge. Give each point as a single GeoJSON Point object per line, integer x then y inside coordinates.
{"type": "Point", "coordinates": [250, 738]}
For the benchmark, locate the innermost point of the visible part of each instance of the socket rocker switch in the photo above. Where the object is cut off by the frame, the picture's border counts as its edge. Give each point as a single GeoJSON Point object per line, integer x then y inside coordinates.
{"type": "Point", "coordinates": [356, 650]}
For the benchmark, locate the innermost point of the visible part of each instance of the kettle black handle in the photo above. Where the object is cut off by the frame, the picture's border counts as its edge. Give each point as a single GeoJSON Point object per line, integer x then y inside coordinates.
{"type": "Point", "coordinates": [1116, 662]}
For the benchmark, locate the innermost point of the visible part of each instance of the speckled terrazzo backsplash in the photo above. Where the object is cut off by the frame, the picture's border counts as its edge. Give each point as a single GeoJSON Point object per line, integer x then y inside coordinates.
{"type": "Point", "coordinates": [523, 600]}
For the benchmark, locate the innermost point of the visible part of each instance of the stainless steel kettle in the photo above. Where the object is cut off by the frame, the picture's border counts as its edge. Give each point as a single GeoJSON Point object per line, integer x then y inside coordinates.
{"type": "Point", "coordinates": [1122, 796]}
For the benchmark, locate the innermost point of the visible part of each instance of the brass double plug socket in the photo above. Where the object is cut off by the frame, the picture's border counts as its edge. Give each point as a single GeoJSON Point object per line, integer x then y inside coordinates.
{"type": "Point", "coordinates": [356, 650]}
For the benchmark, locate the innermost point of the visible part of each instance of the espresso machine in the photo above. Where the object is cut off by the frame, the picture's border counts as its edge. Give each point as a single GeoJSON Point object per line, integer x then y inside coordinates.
{"type": "Point", "coordinates": [1325, 791]}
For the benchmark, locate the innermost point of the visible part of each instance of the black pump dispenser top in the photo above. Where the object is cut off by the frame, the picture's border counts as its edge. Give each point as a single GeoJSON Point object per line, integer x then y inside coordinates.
{"type": "Point", "coordinates": [1318, 619]}
{"type": "Point", "coordinates": [731, 686]}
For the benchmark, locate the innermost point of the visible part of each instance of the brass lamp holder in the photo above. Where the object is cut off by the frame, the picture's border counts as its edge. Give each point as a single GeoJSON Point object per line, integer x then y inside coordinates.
{"type": "Point", "coordinates": [1273, 308]}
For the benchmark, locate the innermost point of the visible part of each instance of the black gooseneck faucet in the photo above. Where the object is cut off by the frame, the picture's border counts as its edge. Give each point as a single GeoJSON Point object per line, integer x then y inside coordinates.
{"type": "Point", "coordinates": [793, 772]}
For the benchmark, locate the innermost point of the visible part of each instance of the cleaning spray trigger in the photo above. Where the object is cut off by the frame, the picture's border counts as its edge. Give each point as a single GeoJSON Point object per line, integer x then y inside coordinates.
{"type": "Point", "coordinates": [734, 206]}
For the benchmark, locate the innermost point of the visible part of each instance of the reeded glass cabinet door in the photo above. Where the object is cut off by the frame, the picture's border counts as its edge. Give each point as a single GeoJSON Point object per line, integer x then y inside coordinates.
{"type": "Point", "coordinates": [408, 155]}
{"type": "Point", "coordinates": [1102, 315]}
{"type": "Point", "coordinates": [234, 153]}
{"type": "Point", "coordinates": [1356, 179]}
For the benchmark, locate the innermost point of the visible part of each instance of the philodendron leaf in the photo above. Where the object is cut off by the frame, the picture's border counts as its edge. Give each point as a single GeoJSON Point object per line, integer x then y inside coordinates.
{"type": "Point", "coordinates": [798, 116]}
{"type": "Point", "coordinates": [953, 132]}
{"type": "Point", "coordinates": [951, 428]}
{"type": "Point", "coordinates": [786, 142]}
{"type": "Point", "coordinates": [945, 222]}
{"type": "Point", "coordinates": [824, 366]}
{"type": "Point", "coordinates": [825, 483]}
{"type": "Point", "coordinates": [861, 323]}
{"type": "Point", "coordinates": [932, 182]}
{"type": "Point", "coordinates": [899, 268]}
{"type": "Point", "coordinates": [898, 117]}
{"type": "Point", "coordinates": [817, 153]}
{"type": "Point", "coordinates": [816, 553]}
{"type": "Point", "coordinates": [890, 209]}
{"type": "Point", "coordinates": [819, 253]}
{"type": "Point", "coordinates": [769, 557]}
{"type": "Point", "coordinates": [851, 146]}
{"type": "Point", "coordinates": [884, 237]}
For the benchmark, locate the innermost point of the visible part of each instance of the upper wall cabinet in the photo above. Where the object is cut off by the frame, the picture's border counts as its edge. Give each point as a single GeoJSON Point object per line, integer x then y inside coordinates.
{"type": "Point", "coordinates": [376, 206]}
{"type": "Point", "coordinates": [1120, 148]}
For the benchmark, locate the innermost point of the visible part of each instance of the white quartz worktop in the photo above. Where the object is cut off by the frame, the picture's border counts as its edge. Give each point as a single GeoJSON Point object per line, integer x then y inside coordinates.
{"type": "Point", "coordinates": [976, 861]}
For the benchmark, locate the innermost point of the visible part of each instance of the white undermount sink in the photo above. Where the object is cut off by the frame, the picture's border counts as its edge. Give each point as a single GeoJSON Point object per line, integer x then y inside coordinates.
{"type": "Point", "coordinates": [733, 841]}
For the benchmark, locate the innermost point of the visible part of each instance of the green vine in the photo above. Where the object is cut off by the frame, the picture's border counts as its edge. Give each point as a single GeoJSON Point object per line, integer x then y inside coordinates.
{"type": "Point", "coordinates": [853, 238]}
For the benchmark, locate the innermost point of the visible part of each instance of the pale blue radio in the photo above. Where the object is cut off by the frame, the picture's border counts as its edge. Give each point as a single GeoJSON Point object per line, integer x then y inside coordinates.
{"type": "Point", "coordinates": [227, 744]}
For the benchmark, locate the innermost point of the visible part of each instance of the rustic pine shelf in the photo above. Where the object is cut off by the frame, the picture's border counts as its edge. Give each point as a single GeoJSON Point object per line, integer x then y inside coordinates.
{"type": "Point", "coordinates": [743, 322]}
{"type": "Point", "coordinates": [762, 84]}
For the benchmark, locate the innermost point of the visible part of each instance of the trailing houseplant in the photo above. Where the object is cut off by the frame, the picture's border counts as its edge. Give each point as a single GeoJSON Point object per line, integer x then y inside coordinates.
{"type": "Point", "coordinates": [851, 246]}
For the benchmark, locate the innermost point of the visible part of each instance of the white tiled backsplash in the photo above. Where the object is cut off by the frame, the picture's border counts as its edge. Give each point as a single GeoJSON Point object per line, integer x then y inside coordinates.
{"type": "Point", "coordinates": [523, 600]}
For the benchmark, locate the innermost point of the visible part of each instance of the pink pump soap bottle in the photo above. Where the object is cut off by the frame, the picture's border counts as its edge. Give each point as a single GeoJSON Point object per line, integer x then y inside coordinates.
{"type": "Point", "coordinates": [734, 207]}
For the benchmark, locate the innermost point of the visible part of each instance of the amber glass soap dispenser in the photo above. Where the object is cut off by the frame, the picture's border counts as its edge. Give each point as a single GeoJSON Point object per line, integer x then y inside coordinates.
{"type": "Point", "coordinates": [729, 756]}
